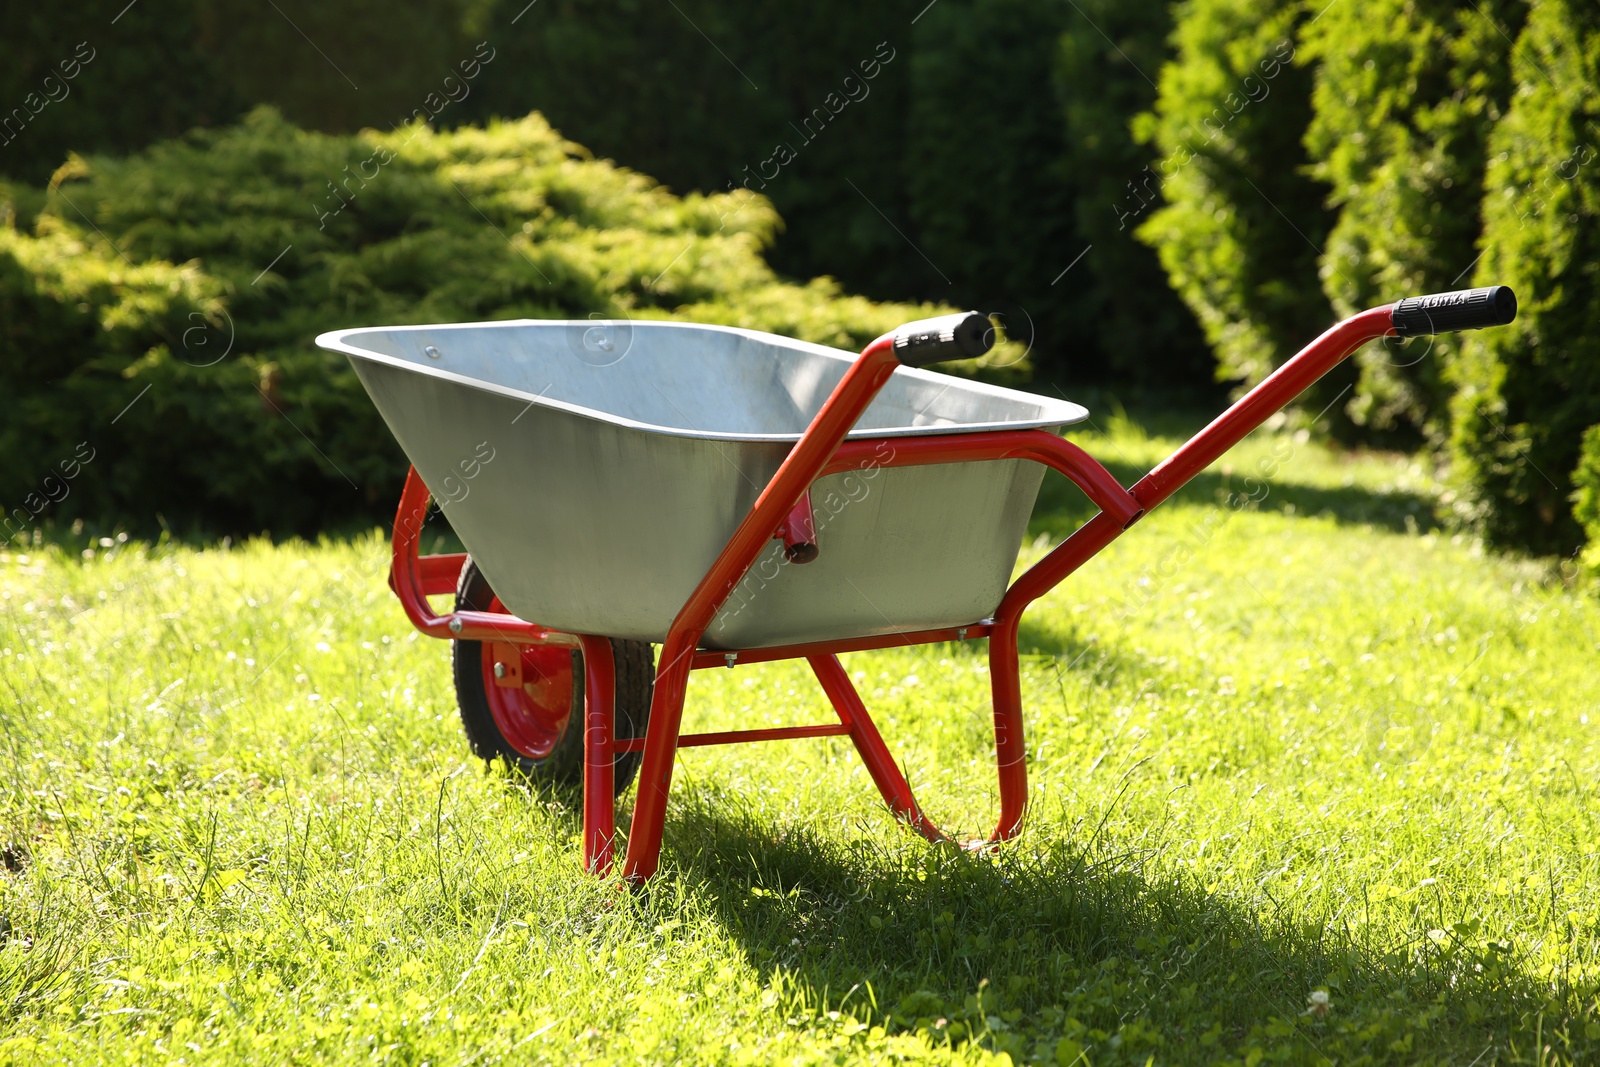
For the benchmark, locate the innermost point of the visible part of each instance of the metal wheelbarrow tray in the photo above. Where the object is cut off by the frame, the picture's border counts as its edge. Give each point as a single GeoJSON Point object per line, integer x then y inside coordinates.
{"type": "Point", "coordinates": [738, 497]}
{"type": "Point", "coordinates": [664, 442]}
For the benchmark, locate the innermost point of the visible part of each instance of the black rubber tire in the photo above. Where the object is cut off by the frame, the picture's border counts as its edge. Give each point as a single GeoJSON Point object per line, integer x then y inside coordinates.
{"type": "Point", "coordinates": [563, 767]}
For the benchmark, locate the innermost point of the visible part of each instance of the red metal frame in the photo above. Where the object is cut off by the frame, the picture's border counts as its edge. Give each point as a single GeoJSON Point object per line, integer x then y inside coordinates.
{"type": "Point", "coordinates": [780, 512]}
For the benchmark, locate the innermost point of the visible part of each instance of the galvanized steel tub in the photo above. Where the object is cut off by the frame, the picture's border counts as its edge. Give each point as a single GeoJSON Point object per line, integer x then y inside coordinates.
{"type": "Point", "coordinates": [594, 470]}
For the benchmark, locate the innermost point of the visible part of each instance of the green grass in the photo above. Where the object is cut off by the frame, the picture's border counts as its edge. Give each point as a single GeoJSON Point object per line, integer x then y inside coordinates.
{"type": "Point", "coordinates": [1310, 744]}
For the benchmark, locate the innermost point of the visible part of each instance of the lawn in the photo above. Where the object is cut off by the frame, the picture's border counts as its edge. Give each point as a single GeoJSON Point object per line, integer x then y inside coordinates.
{"type": "Point", "coordinates": [1314, 782]}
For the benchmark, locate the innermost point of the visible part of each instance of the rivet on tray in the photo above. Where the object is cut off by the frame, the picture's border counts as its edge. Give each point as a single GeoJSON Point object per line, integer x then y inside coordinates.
{"type": "Point", "coordinates": [431, 352]}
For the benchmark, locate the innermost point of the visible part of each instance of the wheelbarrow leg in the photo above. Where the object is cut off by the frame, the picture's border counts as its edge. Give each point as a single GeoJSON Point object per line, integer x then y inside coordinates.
{"type": "Point", "coordinates": [916, 344]}
{"type": "Point", "coordinates": [599, 754]}
{"type": "Point", "coordinates": [1005, 681]}
{"type": "Point", "coordinates": [660, 749]}
{"type": "Point", "coordinates": [874, 753]}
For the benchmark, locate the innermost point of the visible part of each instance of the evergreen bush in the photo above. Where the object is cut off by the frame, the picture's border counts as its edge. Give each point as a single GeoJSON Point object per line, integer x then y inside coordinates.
{"type": "Point", "coordinates": [1526, 393]}
{"type": "Point", "coordinates": [1243, 224]}
{"type": "Point", "coordinates": [1586, 499]}
{"type": "Point", "coordinates": [1407, 92]}
{"type": "Point", "coordinates": [190, 279]}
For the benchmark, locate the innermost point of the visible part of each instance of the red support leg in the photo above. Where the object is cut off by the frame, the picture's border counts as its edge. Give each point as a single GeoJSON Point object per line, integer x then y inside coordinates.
{"type": "Point", "coordinates": [874, 753]}
{"type": "Point", "coordinates": [660, 749]}
{"type": "Point", "coordinates": [866, 376]}
{"type": "Point", "coordinates": [1005, 681]}
{"type": "Point", "coordinates": [599, 754]}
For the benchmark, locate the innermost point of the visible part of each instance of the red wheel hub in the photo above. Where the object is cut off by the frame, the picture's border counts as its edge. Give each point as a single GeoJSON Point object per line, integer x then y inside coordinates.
{"type": "Point", "coordinates": [529, 690]}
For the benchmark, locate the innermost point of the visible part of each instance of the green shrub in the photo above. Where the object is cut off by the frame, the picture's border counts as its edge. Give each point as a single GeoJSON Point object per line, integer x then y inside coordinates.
{"type": "Point", "coordinates": [1526, 393]}
{"type": "Point", "coordinates": [85, 332]}
{"type": "Point", "coordinates": [992, 135]}
{"type": "Point", "coordinates": [1243, 224]}
{"type": "Point", "coordinates": [1406, 94]}
{"type": "Point", "coordinates": [194, 276]}
{"type": "Point", "coordinates": [1586, 500]}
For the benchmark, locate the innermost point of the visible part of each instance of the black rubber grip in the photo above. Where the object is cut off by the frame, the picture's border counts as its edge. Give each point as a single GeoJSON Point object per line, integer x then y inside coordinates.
{"type": "Point", "coordinates": [965, 335]}
{"type": "Point", "coordinates": [1468, 309]}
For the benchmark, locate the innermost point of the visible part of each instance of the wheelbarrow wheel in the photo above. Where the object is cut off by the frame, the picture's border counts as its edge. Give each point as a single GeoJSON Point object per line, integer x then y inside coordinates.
{"type": "Point", "coordinates": [537, 727]}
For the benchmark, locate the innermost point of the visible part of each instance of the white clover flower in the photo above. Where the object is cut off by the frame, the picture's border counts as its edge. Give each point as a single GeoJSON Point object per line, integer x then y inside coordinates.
{"type": "Point", "coordinates": [1318, 1004]}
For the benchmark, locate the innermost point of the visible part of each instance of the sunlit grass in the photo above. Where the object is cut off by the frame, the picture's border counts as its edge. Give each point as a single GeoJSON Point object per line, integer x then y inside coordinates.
{"type": "Point", "coordinates": [1308, 743]}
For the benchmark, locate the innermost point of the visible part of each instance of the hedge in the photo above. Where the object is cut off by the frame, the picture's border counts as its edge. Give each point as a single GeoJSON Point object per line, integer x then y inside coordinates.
{"type": "Point", "coordinates": [1406, 94]}
{"type": "Point", "coordinates": [1027, 100]}
{"type": "Point", "coordinates": [1526, 394]}
{"type": "Point", "coordinates": [188, 282]}
{"type": "Point", "coordinates": [1586, 498]}
{"type": "Point", "coordinates": [1242, 226]}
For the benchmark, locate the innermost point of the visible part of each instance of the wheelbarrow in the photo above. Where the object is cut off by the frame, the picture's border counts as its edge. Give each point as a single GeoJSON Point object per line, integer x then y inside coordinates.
{"type": "Point", "coordinates": [738, 497]}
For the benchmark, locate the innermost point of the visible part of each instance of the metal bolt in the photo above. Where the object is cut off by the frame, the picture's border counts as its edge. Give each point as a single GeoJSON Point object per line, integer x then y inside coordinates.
{"type": "Point", "coordinates": [455, 626]}
{"type": "Point", "coordinates": [961, 634]}
{"type": "Point", "coordinates": [431, 352]}
{"type": "Point", "coordinates": [499, 669]}
{"type": "Point", "coordinates": [730, 658]}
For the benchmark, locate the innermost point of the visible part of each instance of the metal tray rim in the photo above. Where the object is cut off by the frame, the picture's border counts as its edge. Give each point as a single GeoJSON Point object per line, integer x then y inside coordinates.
{"type": "Point", "coordinates": [1057, 412]}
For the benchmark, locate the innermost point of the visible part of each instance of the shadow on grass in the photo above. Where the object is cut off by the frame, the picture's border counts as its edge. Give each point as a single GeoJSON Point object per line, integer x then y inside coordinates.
{"type": "Point", "coordinates": [1088, 662]}
{"type": "Point", "coordinates": [1056, 939]}
{"type": "Point", "coordinates": [1062, 508]}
